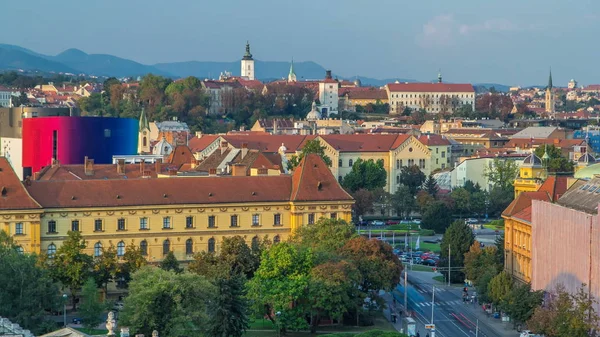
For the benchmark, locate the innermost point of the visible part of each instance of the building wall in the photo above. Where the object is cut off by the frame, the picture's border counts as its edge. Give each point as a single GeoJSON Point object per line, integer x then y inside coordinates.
{"type": "Point", "coordinates": [517, 249]}
{"type": "Point", "coordinates": [11, 119]}
{"type": "Point", "coordinates": [248, 69]}
{"type": "Point", "coordinates": [70, 139]}
{"type": "Point", "coordinates": [12, 149]}
{"type": "Point", "coordinates": [565, 248]}
{"type": "Point", "coordinates": [430, 101]}
{"type": "Point", "coordinates": [29, 238]}
{"type": "Point", "coordinates": [440, 157]}
{"type": "Point", "coordinates": [328, 95]}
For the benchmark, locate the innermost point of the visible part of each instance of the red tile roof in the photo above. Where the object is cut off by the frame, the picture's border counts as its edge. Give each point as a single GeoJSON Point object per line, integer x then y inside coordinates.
{"type": "Point", "coordinates": [266, 143]}
{"type": "Point", "coordinates": [12, 193]}
{"type": "Point", "coordinates": [364, 93]}
{"type": "Point", "coordinates": [524, 215]}
{"type": "Point", "coordinates": [430, 87]}
{"type": "Point", "coordinates": [180, 155]}
{"type": "Point", "coordinates": [434, 140]}
{"type": "Point", "coordinates": [364, 142]}
{"type": "Point", "coordinates": [555, 186]}
{"type": "Point", "coordinates": [101, 171]}
{"type": "Point", "coordinates": [523, 201]}
{"type": "Point", "coordinates": [302, 186]}
{"type": "Point", "coordinates": [198, 144]}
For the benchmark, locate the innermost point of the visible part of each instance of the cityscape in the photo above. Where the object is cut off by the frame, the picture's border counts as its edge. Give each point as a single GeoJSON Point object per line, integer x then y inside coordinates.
{"type": "Point", "coordinates": [248, 198]}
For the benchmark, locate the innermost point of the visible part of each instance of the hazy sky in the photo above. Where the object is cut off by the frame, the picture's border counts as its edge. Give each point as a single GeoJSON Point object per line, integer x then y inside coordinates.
{"type": "Point", "coordinates": [512, 42]}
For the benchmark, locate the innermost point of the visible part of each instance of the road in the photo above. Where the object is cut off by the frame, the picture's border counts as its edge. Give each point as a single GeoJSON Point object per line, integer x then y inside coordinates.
{"type": "Point", "coordinates": [451, 317]}
{"type": "Point", "coordinates": [485, 236]}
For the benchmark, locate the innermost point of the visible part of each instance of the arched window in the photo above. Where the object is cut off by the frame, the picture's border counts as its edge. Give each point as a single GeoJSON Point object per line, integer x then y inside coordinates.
{"type": "Point", "coordinates": [144, 141]}
{"type": "Point", "coordinates": [189, 247]}
{"type": "Point", "coordinates": [51, 250]}
{"type": "Point", "coordinates": [255, 243]}
{"type": "Point", "coordinates": [144, 247]}
{"type": "Point", "coordinates": [166, 247]}
{"type": "Point", "coordinates": [350, 162]}
{"type": "Point", "coordinates": [211, 245]}
{"type": "Point", "coordinates": [120, 248]}
{"type": "Point", "coordinates": [276, 239]}
{"type": "Point", "coordinates": [97, 249]}
{"type": "Point", "coordinates": [19, 249]}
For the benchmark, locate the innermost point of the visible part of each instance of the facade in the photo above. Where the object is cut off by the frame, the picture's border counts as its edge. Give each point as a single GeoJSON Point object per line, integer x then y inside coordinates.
{"type": "Point", "coordinates": [70, 139]}
{"type": "Point", "coordinates": [432, 97]}
{"type": "Point", "coordinates": [5, 97]}
{"type": "Point", "coordinates": [182, 215]}
{"type": "Point", "coordinates": [361, 96]}
{"type": "Point", "coordinates": [328, 95]}
{"type": "Point", "coordinates": [247, 64]}
{"type": "Point", "coordinates": [440, 149]}
{"type": "Point", "coordinates": [531, 175]}
{"type": "Point", "coordinates": [474, 169]}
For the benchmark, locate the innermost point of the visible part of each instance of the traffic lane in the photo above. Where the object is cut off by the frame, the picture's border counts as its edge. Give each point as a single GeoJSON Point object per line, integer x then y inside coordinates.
{"type": "Point", "coordinates": [451, 307]}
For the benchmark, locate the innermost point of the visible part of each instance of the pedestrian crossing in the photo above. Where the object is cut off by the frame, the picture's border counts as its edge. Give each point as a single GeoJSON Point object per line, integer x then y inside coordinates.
{"type": "Point", "coordinates": [428, 304]}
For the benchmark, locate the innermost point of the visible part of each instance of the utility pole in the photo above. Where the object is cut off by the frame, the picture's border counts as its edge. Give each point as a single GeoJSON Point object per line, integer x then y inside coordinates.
{"type": "Point", "coordinates": [405, 292]}
{"type": "Point", "coordinates": [449, 259]}
{"type": "Point", "coordinates": [477, 329]}
{"type": "Point", "coordinates": [432, 306]}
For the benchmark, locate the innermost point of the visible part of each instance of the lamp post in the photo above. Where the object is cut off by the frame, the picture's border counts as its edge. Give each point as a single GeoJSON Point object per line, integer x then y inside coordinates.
{"type": "Point", "coordinates": [65, 296]}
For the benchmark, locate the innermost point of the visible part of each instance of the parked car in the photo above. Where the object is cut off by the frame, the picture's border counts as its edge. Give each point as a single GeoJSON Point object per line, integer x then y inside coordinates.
{"type": "Point", "coordinates": [363, 223]}
{"type": "Point", "coordinates": [76, 320]}
{"type": "Point", "coordinates": [377, 223]}
{"type": "Point", "coordinates": [392, 222]}
{"type": "Point", "coordinates": [429, 262]}
{"type": "Point", "coordinates": [405, 222]}
{"type": "Point", "coordinates": [471, 221]}
{"type": "Point", "coordinates": [417, 221]}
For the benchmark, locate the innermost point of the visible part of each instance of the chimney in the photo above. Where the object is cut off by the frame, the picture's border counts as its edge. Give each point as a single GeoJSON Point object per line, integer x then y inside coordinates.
{"type": "Point", "coordinates": [327, 74]}
{"type": "Point", "coordinates": [88, 166]}
{"type": "Point", "coordinates": [275, 127]}
{"type": "Point", "coordinates": [238, 170]}
{"type": "Point", "coordinates": [142, 166]}
{"type": "Point", "coordinates": [223, 146]}
{"type": "Point", "coordinates": [158, 165]}
{"type": "Point", "coordinates": [194, 163]}
{"type": "Point", "coordinates": [198, 134]}
{"type": "Point", "coordinates": [244, 150]}
{"type": "Point", "coordinates": [556, 141]}
{"type": "Point", "coordinates": [212, 172]}
{"type": "Point", "coordinates": [121, 166]}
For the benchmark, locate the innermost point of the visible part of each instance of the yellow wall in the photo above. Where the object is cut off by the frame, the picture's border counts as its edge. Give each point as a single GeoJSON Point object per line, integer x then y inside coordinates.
{"type": "Point", "coordinates": [530, 179]}
{"type": "Point", "coordinates": [363, 102]}
{"type": "Point", "coordinates": [440, 157]}
{"type": "Point", "coordinates": [292, 216]}
{"type": "Point", "coordinates": [30, 239]}
{"type": "Point", "coordinates": [517, 247]}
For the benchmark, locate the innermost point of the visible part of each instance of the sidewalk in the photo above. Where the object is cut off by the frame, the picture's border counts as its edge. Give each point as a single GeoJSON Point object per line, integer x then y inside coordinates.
{"type": "Point", "coordinates": [395, 308]}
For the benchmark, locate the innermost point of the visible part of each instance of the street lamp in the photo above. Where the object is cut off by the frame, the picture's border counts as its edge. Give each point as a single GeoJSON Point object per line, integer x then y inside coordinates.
{"type": "Point", "coordinates": [65, 296]}
{"type": "Point", "coordinates": [278, 314]}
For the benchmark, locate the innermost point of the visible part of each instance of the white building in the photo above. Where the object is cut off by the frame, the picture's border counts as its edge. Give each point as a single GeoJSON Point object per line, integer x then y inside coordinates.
{"type": "Point", "coordinates": [432, 97]}
{"type": "Point", "coordinates": [328, 95]}
{"type": "Point", "coordinates": [474, 169]}
{"type": "Point", "coordinates": [5, 97]}
{"type": "Point", "coordinates": [247, 64]}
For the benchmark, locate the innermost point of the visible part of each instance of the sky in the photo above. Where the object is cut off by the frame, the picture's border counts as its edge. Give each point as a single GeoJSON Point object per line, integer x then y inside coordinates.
{"type": "Point", "coordinates": [512, 42]}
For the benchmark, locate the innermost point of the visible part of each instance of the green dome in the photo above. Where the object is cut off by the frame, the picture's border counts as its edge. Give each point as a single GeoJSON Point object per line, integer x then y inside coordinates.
{"type": "Point", "coordinates": [588, 172]}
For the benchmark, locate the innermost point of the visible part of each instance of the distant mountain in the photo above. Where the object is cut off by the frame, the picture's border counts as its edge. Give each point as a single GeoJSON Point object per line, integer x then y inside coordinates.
{"type": "Point", "coordinates": [483, 87]}
{"type": "Point", "coordinates": [20, 58]}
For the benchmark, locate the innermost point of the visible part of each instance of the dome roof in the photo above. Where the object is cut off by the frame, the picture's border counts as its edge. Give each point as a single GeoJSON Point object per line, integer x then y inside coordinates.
{"type": "Point", "coordinates": [162, 148]}
{"type": "Point", "coordinates": [532, 160]}
{"type": "Point", "coordinates": [314, 114]}
{"type": "Point", "coordinates": [586, 159]}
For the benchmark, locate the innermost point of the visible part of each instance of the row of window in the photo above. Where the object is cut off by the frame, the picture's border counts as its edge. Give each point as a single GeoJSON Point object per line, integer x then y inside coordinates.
{"type": "Point", "coordinates": [166, 247]}
{"type": "Point", "coordinates": [166, 223]}
{"type": "Point", "coordinates": [410, 162]}
{"type": "Point", "coordinates": [433, 95]}
{"type": "Point", "coordinates": [350, 163]}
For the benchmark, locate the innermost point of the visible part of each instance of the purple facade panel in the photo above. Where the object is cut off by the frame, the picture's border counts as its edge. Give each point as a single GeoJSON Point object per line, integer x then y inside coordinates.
{"type": "Point", "coordinates": [565, 248]}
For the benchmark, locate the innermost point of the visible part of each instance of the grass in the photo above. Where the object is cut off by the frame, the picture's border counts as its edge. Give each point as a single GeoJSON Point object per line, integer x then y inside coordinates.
{"type": "Point", "coordinates": [92, 332]}
{"type": "Point", "coordinates": [495, 225]}
{"type": "Point", "coordinates": [440, 279]}
{"type": "Point", "coordinates": [418, 267]}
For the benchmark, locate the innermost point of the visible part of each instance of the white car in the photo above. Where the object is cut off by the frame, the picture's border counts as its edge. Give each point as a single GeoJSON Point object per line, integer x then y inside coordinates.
{"type": "Point", "coordinates": [378, 223]}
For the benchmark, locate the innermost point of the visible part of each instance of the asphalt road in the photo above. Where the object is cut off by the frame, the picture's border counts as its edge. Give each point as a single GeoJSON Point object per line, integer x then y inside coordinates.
{"type": "Point", "coordinates": [450, 315]}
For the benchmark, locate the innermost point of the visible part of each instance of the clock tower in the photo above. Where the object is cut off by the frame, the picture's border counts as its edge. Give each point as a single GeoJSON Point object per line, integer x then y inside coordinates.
{"type": "Point", "coordinates": [248, 64]}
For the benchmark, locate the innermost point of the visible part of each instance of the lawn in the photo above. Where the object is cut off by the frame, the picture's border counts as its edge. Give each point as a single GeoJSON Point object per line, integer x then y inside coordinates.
{"type": "Point", "coordinates": [418, 267]}
{"type": "Point", "coordinates": [93, 332]}
{"type": "Point", "coordinates": [440, 279]}
{"type": "Point", "coordinates": [495, 225]}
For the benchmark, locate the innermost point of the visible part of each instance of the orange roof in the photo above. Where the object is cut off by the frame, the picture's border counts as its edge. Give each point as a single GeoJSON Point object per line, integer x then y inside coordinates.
{"type": "Point", "coordinates": [180, 155]}
{"type": "Point", "coordinates": [524, 215]}
{"type": "Point", "coordinates": [266, 143]}
{"type": "Point", "coordinates": [364, 142]}
{"type": "Point", "coordinates": [198, 144]}
{"type": "Point", "coordinates": [12, 193]}
{"type": "Point", "coordinates": [434, 140]}
{"type": "Point", "coordinates": [101, 171]}
{"type": "Point", "coordinates": [430, 87]}
{"type": "Point", "coordinates": [312, 180]}
{"type": "Point", "coordinates": [523, 201]}
{"type": "Point", "coordinates": [555, 186]}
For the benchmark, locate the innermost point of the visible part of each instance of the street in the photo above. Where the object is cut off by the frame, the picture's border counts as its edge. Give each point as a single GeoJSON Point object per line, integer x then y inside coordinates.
{"type": "Point", "coordinates": [451, 316]}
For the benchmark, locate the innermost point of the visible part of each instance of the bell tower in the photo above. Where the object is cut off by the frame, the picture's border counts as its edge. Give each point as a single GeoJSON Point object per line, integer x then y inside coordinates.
{"type": "Point", "coordinates": [143, 134]}
{"type": "Point", "coordinates": [549, 96]}
{"type": "Point", "coordinates": [247, 64]}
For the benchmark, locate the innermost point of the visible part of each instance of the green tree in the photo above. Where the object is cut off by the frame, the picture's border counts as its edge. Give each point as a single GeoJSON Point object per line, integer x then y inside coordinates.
{"type": "Point", "coordinates": [477, 260]}
{"type": "Point", "coordinates": [326, 235]}
{"type": "Point", "coordinates": [437, 216]}
{"type": "Point", "coordinates": [365, 174]}
{"type": "Point", "coordinates": [170, 263]}
{"type": "Point", "coordinates": [91, 307]}
{"type": "Point", "coordinates": [70, 265]}
{"type": "Point", "coordinates": [472, 187]}
{"type": "Point", "coordinates": [557, 162]}
{"type": "Point", "coordinates": [238, 256]}
{"type": "Point", "coordinates": [228, 311]}
{"type": "Point", "coordinates": [209, 265]}
{"type": "Point", "coordinates": [462, 201]}
{"type": "Point", "coordinates": [27, 290]}
{"type": "Point", "coordinates": [499, 289]}
{"type": "Point", "coordinates": [311, 146]}
{"type": "Point", "coordinates": [431, 186]}
{"type": "Point", "coordinates": [174, 304]}
{"type": "Point", "coordinates": [403, 201]}
{"type": "Point", "coordinates": [413, 178]}
{"type": "Point", "coordinates": [499, 243]}
{"type": "Point", "coordinates": [133, 260]}
{"type": "Point", "coordinates": [105, 267]}
{"type": "Point", "coordinates": [501, 173]}
{"type": "Point", "coordinates": [483, 282]}
{"type": "Point", "coordinates": [459, 238]}
{"type": "Point", "coordinates": [521, 302]}
{"type": "Point", "coordinates": [363, 201]}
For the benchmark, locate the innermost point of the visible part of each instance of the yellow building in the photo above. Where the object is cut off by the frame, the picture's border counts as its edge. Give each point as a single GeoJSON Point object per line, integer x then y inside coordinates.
{"type": "Point", "coordinates": [182, 215]}
{"type": "Point", "coordinates": [531, 175]}
{"type": "Point", "coordinates": [440, 149]}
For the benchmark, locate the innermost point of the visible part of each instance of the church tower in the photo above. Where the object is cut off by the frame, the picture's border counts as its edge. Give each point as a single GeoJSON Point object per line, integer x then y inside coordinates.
{"type": "Point", "coordinates": [143, 134]}
{"type": "Point", "coordinates": [549, 96]}
{"type": "Point", "coordinates": [247, 64]}
{"type": "Point", "coordinates": [292, 74]}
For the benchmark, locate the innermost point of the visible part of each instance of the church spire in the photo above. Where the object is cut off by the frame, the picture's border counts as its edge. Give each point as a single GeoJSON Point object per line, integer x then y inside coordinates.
{"type": "Point", "coordinates": [292, 74]}
{"type": "Point", "coordinates": [550, 80]}
{"type": "Point", "coordinates": [247, 55]}
{"type": "Point", "coordinates": [144, 121]}
{"type": "Point", "coordinates": [440, 76]}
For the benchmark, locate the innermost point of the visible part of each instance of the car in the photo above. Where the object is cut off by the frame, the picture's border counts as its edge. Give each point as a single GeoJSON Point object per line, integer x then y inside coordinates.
{"type": "Point", "coordinates": [405, 222]}
{"type": "Point", "coordinates": [392, 222]}
{"type": "Point", "coordinates": [417, 221]}
{"type": "Point", "coordinates": [429, 262]}
{"type": "Point", "coordinates": [471, 221]}
{"type": "Point", "coordinates": [377, 223]}
{"type": "Point", "coordinates": [363, 223]}
{"type": "Point", "coordinates": [76, 320]}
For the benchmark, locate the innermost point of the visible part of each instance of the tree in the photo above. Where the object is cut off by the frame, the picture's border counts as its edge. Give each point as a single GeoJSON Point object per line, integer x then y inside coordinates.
{"type": "Point", "coordinates": [311, 146]}
{"type": "Point", "coordinates": [363, 201]}
{"type": "Point", "coordinates": [91, 307]}
{"type": "Point", "coordinates": [565, 314]}
{"type": "Point", "coordinates": [424, 199]}
{"type": "Point", "coordinates": [472, 187]}
{"type": "Point", "coordinates": [27, 290]}
{"type": "Point", "coordinates": [499, 289]}
{"type": "Point", "coordinates": [326, 235]}
{"type": "Point", "coordinates": [501, 173]}
{"type": "Point", "coordinates": [133, 260]}
{"type": "Point", "coordinates": [437, 216]}
{"type": "Point", "coordinates": [556, 163]}
{"type": "Point", "coordinates": [174, 304]}
{"type": "Point", "coordinates": [521, 302]}
{"type": "Point", "coordinates": [228, 310]}
{"type": "Point", "coordinates": [365, 174]}
{"type": "Point", "coordinates": [499, 243]}
{"type": "Point", "coordinates": [170, 263]}
{"type": "Point", "coordinates": [459, 238]}
{"type": "Point", "coordinates": [209, 265]}
{"type": "Point", "coordinates": [403, 201]}
{"type": "Point", "coordinates": [105, 267]}
{"type": "Point", "coordinates": [238, 257]}
{"type": "Point", "coordinates": [418, 116]}
{"type": "Point", "coordinates": [477, 260]}
{"type": "Point", "coordinates": [462, 201]}
{"type": "Point", "coordinates": [413, 178]}
{"type": "Point", "coordinates": [70, 265]}
{"type": "Point", "coordinates": [431, 186]}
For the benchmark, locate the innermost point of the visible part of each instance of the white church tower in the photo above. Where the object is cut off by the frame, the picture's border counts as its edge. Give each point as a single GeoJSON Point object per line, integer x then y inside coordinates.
{"type": "Point", "coordinates": [247, 64]}
{"type": "Point", "coordinates": [143, 134]}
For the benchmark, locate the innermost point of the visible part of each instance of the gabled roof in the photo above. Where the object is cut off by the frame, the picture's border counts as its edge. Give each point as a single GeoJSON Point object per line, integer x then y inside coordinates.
{"type": "Point", "coordinates": [523, 201]}
{"type": "Point", "coordinates": [524, 215]}
{"type": "Point", "coordinates": [312, 180]}
{"type": "Point", "coordinates": [13, 196]}
{"type": "Point", "coordinates": [198, 144]}
{"type": "Point", "coordinates": [555, 186]}
{"type": "Point", "coordinates": [434, 140]}
{"type": "Point", "coordinates": [430, 87]}
{"type": "Point", "coordinates": [582, 195]}
{"type": "Point", "coordinates": [101, 171]}
{"type": "Point", "coordinates": [266, 143]}
{"type": "Point", "coordinates": [535, 132]}
{"type": "Point", "coordinates": [180, 155]}
{"type": "Point", "coordinates": [364, 142]}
